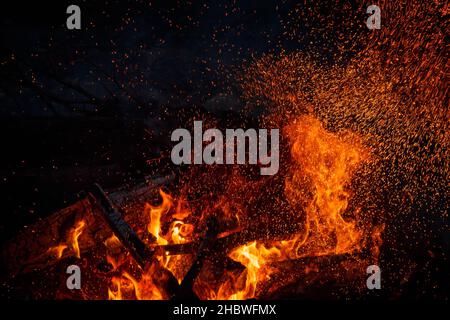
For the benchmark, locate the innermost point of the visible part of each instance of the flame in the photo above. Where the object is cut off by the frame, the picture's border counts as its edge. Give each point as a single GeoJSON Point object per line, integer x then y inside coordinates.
{"type": "Point", "coordinates": [57, 251]}
{"type": "Point", "coordinates": [178, 231]}
{"type": "Point", "coordinates": [144, 287]}
{"type": "Point", "coordinates": [77, 231]}
{"type": "Point", "coordinates": [324, 162]}
{"type": "Point", "coordinates": [112, 242]}
{"type": "Point", "coordinates": [128, 287]}
{"type": "Point", "coordinates": [155, 213]}
{"type": "Point", "coordinates": [72, 242]}
{"type": "Point", "coordinates": [254, 258]}
{"type": "Point", "coordinates": [117, 293]}
{"type": "Point", "coordinates": [321, 167]}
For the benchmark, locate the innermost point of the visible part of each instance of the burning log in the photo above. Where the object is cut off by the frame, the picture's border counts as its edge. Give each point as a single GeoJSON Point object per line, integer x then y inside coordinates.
{"type": "Point", "coordinates": [122, 230]}
{"type": "Point", "coordinates": [34, 247]}
{"type": "Point", "coordinates": [186, 286]}
{"type": "Point", "coordinates": [322, 230]}
{"type": "Point", "coordinates": [320, 276]}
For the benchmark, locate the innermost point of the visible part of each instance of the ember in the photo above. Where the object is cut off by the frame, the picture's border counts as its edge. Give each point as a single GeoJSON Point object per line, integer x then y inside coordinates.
{"type": "Point", "coordinates": [172, 255]}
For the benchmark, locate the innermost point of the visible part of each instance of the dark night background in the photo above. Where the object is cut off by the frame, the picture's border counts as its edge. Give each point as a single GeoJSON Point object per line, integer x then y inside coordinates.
{"type": "Point", "coordinates": [96, 104]}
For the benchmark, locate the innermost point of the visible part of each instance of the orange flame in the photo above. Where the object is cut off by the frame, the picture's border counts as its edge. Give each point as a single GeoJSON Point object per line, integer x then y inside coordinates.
{"type": "Point", "coordinates": [320, 170]}
{"type": "Point", "coordinates": [325, 162]}
{"type": "Point", "coordinates": [322, 166]}
{"type": "Point", "coordinates": [57, 251]}
{"type": "Point", "coordinates": [178, 232]}
{"type": "Point", "coordinates": [77, 231]}
{"type": "Point", "coordinates": [155, 213]}
{"type": "Point", "coordinates": [128, 287]}
{"type": "Point", "coordinates": [72, 242]}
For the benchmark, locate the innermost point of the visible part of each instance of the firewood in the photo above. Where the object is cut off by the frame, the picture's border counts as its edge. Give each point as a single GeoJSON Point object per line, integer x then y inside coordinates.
{"type": "Point", "coordinates": [31, 250]}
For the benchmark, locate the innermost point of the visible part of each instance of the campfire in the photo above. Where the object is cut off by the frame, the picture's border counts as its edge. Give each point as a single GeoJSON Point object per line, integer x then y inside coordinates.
{"type": "Point", "coordinates": [146, 242]}
{"type": "Point", "coordinates": [361, 179]}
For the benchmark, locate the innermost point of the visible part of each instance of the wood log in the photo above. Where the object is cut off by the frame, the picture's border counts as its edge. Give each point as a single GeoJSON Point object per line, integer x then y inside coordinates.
{"type": "Point", "coordinates": [37, 246]}
{"type": "Point", "coordinates": [121, 229]}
